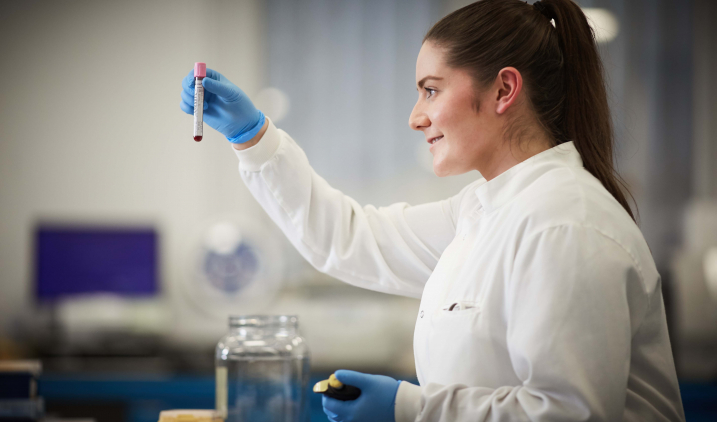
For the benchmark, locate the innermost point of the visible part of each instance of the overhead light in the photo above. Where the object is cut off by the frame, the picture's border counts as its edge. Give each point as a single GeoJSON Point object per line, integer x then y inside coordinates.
{"type": "Point", "coordinates": [223, 238]}
{"type": "Point", "coordinates": [603, 22]}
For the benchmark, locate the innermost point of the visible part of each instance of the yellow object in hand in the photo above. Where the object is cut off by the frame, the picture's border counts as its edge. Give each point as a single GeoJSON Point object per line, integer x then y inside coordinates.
{"type": "Point", "coordinates": [334, 388]}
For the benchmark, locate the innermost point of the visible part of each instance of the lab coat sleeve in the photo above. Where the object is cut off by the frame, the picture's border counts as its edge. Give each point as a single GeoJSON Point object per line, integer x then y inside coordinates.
{"type": "Point", "coordinates": [573, 301]}
{"type": "Point", "coordinates": [392, 249]}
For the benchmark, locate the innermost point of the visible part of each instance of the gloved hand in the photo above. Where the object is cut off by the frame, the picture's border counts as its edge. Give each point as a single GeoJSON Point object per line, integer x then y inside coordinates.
{"type": "Point", "coordinates": [226, 108]}
{"type": "Point", "coordinates": [375, 404]}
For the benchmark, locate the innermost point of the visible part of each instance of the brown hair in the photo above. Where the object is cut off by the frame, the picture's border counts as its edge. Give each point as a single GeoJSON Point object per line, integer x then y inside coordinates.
{"type": "Point", "coordinates": [561, 68]}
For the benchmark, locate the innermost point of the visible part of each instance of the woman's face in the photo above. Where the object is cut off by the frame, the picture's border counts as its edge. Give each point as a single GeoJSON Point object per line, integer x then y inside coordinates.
{"type": "Point", "coordinates": [459, 137]}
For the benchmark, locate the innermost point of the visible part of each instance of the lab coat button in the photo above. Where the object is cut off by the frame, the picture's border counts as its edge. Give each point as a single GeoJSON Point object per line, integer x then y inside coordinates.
{"type": "Point", "coordinates": [421, 314]}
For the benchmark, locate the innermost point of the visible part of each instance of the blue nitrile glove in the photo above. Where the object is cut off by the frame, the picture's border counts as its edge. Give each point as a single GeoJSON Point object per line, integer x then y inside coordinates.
{"type": "Point", "coordinates": [226, 107]}
{"type": "Point", "coordinates": [375, 404]}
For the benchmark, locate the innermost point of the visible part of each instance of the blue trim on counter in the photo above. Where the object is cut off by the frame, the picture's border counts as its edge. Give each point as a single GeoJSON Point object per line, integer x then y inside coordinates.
{"type": "Point", "coordinates": [146, 396]}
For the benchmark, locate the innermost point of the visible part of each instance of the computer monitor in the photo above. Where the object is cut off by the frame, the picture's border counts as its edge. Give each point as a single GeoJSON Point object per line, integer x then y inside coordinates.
{"type": "Point", "coordinates": [73, 260]}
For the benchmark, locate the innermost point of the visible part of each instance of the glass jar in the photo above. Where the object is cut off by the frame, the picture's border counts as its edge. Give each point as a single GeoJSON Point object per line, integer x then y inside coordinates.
{"type": "Point", "coordinates": [262, 370]}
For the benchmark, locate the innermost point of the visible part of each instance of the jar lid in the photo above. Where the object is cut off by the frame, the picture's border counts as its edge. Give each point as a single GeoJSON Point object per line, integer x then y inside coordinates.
{"type": "Point", "coordinates": [190, 415]}
{"type": "Point", "coordinates": [263, 321]}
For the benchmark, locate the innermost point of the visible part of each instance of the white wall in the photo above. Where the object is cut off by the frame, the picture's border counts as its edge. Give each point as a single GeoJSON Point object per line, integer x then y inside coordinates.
{"type": "Point", "coordinates": [90, 125]}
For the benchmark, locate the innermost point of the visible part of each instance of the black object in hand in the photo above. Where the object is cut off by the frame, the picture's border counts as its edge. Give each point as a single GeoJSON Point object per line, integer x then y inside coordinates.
{"type": "Point", "coordinates": [335, 389]}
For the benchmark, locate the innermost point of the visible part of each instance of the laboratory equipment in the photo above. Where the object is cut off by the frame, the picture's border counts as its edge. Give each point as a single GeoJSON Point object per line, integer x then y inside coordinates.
{"type": "Point", "coordinates": [73, 260]}
{"type": "Point", "coordinates": [18, 391]}
{"type": "Point", "coordinates": [694, 293]}
{"type": "Point", "coordinates": [200, 72]}
{"type": "Point", "coordinates": [18, 379]}
{"type": "Point", "coordinates": [232, 262]}
{"type": "Point", "coordinates": [262, 370]}
{"type": "Point", "coordinates": [335, 389]}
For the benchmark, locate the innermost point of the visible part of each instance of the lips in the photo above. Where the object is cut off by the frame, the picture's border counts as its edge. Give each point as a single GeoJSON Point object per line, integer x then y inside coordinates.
{"type": "Point", "coordinates": [435, 139]}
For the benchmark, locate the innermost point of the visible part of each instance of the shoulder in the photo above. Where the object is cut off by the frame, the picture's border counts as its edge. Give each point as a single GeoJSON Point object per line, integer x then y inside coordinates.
{"type": "Point", "coordinates": [583, 263]}
{"type": "Point", "coordinates": [570, 196]}
{"type": "Point", "coordinates": [571, 200]}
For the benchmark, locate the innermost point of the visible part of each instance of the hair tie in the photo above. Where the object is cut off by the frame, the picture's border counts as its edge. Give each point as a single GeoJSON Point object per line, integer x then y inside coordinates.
{"type": "Point", "coordinates": [544, 10]}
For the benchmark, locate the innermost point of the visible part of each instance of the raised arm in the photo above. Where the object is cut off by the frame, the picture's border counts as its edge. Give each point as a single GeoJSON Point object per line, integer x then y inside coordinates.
{"type": "Point", "coordinates": [391, 249]}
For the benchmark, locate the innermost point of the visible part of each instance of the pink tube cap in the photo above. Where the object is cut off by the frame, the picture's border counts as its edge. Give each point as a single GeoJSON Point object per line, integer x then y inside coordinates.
{"type": "Point", "coordinates": [200, 70]}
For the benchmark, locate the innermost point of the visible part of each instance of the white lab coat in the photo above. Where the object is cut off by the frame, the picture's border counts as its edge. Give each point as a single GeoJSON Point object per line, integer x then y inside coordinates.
{"type": "Point", "coordinates": [539, 296]}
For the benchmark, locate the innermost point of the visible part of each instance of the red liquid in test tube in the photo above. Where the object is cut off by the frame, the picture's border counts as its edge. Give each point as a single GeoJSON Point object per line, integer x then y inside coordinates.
{"type": "Point", "coordinates": [200, 72]}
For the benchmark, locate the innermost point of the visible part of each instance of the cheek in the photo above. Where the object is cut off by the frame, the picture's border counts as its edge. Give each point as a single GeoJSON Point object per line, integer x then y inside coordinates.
{"type": "Point", "coordinates": [461, 132]}
{"type": "Point", "coordinates": [452, 116]}
{"type": "Point", "coordinates": [444, 116]}
{"type": "Point", "coordinates": [437, 120]}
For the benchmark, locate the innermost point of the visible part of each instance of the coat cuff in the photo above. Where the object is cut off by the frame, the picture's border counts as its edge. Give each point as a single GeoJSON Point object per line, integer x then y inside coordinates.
{"type": "Point", "coordinates": [408, 402]}
{"type": "Point", "coordinates": [251, 159]}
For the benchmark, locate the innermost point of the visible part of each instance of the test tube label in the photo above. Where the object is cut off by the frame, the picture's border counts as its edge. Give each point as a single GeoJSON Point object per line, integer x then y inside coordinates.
{"type": "Point", "coordinates": [198, 108]}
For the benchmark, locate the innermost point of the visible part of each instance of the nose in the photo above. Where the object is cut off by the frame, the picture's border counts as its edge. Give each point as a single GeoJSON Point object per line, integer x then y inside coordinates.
{"type": "Point", "coordinates": [418, 120]}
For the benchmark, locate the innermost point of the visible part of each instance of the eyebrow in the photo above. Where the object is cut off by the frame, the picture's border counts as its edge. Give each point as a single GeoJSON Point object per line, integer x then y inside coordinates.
{"type": "Point", "coordinates": [423, 81]}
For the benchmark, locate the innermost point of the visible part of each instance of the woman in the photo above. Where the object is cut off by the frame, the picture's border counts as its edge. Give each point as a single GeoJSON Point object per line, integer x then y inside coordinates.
{"type": "Point", "coordinates": [539, 297]}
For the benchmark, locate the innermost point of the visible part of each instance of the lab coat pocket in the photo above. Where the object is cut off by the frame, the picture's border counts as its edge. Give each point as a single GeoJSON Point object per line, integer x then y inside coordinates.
{"type": "Point", "coordinates": [454, 308]}
{"type": "Point", "coordinates": [459, 343]}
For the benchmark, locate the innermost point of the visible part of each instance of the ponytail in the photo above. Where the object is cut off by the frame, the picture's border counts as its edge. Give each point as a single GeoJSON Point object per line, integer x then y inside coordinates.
{"type": "Point", "coordinates": [586, 114]}
{"type": "Point", "coordinates": [561, 69]}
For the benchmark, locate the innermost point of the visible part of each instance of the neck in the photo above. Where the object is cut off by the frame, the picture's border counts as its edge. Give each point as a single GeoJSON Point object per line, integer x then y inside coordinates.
{"type": "Point", "coordinates": [513, 152]}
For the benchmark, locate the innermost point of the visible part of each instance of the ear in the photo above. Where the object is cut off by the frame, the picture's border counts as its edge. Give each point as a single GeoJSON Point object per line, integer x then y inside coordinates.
{"type": "Point", "coordinates": [509, 83]}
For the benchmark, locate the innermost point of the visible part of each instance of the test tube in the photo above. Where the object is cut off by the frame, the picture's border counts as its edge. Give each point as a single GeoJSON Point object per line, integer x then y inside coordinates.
{"type": "Point", "coordinates": [200, 72]}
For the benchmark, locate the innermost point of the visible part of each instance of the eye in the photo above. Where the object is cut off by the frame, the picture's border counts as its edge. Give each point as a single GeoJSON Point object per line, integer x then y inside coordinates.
{"type": "Point", "coordinates": [430, 92]}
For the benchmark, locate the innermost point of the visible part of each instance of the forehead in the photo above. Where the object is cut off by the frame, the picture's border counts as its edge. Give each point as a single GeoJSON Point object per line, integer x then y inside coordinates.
{"type": "Point", "coordinates": [430, 61]}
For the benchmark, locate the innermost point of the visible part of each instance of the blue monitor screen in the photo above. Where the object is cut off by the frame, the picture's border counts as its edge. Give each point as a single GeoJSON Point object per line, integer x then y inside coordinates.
{"type": "Point", "coordinates": [84, 260]}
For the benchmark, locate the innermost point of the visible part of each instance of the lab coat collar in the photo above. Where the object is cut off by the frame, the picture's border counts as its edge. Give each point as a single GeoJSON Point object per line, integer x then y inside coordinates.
{"type": "Point", "coordinates": [507, 185]}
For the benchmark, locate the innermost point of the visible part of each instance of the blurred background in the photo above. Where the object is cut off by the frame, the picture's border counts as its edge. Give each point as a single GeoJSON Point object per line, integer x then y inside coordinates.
{"type": "Point", "coordinates": [125, 245]}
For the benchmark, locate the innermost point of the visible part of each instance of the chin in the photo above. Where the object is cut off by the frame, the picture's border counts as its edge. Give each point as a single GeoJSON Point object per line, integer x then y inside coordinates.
{"type": "Point", "coordinates": [441, 171]}
{"type": "Point", "coordinates": [444, 169]}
